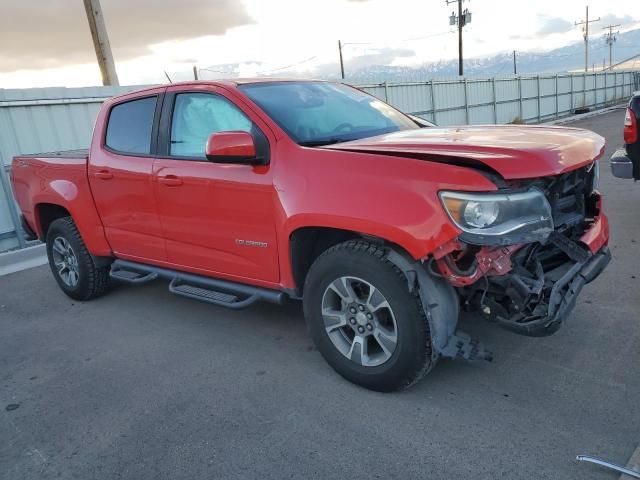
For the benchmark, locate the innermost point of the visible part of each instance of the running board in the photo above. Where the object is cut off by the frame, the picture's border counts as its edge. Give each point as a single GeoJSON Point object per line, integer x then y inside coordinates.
{"type": "Point", "coordinates": [210, 290]}
{"type": "Point", "coordinates": [131, 277]}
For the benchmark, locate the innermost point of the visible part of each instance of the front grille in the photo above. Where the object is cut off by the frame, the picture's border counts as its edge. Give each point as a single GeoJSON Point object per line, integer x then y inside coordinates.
{"type": "Point", "coordinates": [569, 196]}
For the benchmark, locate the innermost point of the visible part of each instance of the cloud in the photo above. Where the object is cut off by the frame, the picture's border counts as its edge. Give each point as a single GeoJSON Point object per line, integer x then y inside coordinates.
{"type": "Point", "coordinates": [372, 58]}
{"type": "Point", "coordinates": [611, 19]}
{"type": "Point", "coordinates": [378, 56]}
{"type": "Point", "coordinates": [553, 25]}
{"type": "Point", "coordinates": [37, 34]}
{"type": "Point", "coordinates": [353, 63]}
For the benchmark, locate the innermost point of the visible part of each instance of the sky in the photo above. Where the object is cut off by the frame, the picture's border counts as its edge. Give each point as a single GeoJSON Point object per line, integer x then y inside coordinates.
{"type": "Point", "coordinates": [47, 42]}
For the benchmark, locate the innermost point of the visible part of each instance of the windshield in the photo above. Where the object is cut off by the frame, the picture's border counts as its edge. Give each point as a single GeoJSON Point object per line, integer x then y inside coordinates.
{"type": "Point", "coordinates": [322, 113]}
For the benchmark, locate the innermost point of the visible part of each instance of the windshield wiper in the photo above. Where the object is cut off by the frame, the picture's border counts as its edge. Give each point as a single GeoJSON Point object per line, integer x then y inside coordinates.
{"type": "Point", "coordinates": [321, 143]}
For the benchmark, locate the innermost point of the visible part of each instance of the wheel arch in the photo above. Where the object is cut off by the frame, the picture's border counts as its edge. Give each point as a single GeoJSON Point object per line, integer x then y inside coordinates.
{"type": "Point", "coordinates": [45, 214]}
{"type": "Point", "coordinates": [307, 243]}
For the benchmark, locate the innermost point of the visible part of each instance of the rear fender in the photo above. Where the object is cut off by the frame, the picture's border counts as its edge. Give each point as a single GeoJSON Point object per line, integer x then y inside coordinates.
{"type": "Point", "coordinates": [76, 198]}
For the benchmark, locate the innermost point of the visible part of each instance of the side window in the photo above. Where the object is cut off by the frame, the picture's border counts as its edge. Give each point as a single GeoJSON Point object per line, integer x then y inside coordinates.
{"type": "Point", "coordinates": [198, 115]}
{"type": "Point", "coordinates": [130, 125]}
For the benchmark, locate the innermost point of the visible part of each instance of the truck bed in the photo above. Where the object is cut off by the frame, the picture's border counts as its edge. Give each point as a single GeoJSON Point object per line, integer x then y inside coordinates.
{"type": "Point", "coordinates": [43, 178]}
{"type": "Point", "coordinates": [79, 153]}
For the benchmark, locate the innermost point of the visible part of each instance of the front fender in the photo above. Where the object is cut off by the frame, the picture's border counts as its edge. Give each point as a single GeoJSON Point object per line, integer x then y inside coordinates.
{"type": "Point", "coordinates": [392, 198]}
{"type": "Point", "coordinates": [388, 197]}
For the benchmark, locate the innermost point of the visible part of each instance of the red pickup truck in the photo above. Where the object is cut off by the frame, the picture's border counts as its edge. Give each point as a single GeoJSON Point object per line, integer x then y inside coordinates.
{"type": "Point", "coordinates": [384, 226]}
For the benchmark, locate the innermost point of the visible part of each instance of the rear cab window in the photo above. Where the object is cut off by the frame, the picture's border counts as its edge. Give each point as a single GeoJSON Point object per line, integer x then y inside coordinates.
{"type": "Point", "coordinates": [130, 126]}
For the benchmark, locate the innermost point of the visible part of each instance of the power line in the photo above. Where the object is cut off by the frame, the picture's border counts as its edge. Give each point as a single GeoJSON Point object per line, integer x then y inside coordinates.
{"type": "Point", "coordinates": [564, 55]}
{"type": "Point", "coordinates": [610, 39]}
{"type": "Point", "coordinates": [288, 66]}
{"type": "Point", "coordinates": [216, 71]}
{"type": "Point", "coordinates": [586, 23]}
{"type": "Point", "coordinates": [342, 44]}
{"type": "Point", "coordinates": [400, 40]}
{"type": "Point", "coordinates": [623, 61]}
{"type": "Point", "coordinates": [462, 19]}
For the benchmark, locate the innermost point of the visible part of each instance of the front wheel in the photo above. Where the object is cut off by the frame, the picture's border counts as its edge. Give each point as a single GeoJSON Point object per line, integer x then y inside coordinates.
{"type": "Point", "coordinates": [72, 265]}
{"type": "Point", "coordinates": [363, 319]}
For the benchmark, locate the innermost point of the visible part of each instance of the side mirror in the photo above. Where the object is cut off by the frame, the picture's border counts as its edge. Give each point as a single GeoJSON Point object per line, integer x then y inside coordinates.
{"type": "Point", "coordinates": [231, 147]}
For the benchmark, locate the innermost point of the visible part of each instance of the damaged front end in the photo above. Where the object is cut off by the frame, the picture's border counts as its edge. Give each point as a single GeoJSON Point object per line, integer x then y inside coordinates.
{"type": "Point", "coordinates": [528, 275]}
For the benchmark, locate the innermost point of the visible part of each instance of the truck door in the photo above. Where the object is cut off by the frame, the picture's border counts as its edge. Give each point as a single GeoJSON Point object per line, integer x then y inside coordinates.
{"type": "Point", "coordinates": [217, 218]}
{"type": "Point", "coordinates": [120, 174]}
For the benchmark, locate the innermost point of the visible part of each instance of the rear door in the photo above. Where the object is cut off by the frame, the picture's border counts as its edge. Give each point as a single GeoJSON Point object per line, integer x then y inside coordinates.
{"type": "Point", "coordinates": [217, 219]}
{"type": "Point", "coordinates": [121, 178]}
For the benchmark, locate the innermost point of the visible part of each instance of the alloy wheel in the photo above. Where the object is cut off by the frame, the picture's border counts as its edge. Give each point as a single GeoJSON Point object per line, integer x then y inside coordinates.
{"type": "Point", "coordinates": [359, 321]}
{"type": "Point", "coordinates": [66, 262]}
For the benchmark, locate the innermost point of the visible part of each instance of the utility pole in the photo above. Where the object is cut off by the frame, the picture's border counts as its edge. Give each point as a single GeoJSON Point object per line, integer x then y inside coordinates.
{"type": "Point", "coordinates": [101, 42]}
{"type": "Point", "coordinates": [461, 19]}
{"type": "Point", "coordinates": [610, 39]}
{"type": "Point", "coordinates": [586, 23]}
{"type": "Point", "coordinates": [195, 72]}
{"type": "Point", "coordinates": [341, 61]}
{"type": "Point", "coordinates": [515, 66]}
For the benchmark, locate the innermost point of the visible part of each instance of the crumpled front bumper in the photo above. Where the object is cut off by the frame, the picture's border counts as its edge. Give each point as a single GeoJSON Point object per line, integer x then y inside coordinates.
{"type": "Point", "coordinates": [582, 267]}
{"type": "Point", "coordinates": [531, 288]}
{"type": "Point", "coordinates": [564, 294]}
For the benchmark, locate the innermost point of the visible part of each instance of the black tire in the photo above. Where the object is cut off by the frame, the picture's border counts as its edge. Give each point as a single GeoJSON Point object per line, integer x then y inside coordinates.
{"type": "Point", "coordinates": [92, 281]}
{"type": "Point", "coordinates": [412, 357]}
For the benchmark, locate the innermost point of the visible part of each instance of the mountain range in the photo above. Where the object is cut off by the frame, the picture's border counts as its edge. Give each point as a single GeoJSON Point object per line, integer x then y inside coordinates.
{"type": "Point", "coordinates": [562, 59]}
{"type": "Point", "coordinates": [569, 57]}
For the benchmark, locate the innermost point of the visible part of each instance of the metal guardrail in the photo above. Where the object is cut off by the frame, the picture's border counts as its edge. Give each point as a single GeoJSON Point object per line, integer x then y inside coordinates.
{"type": "Point", "coordinates": [528, 99]}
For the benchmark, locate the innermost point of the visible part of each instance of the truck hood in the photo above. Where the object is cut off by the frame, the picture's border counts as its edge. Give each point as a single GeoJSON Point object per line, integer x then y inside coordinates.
{"type": "Point", "coordinates": [510, 150]}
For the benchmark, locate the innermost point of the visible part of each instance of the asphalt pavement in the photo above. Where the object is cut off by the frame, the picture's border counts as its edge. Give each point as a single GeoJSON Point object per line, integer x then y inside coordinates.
{"type": "Point", "coordinates": [142, 384]}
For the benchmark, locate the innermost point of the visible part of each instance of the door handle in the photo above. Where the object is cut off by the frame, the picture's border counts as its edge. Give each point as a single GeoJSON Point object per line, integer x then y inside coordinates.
{"type": "Point", "coordinates": [170, 180]}
{"type": "Point", "coordinates": [103, 175]}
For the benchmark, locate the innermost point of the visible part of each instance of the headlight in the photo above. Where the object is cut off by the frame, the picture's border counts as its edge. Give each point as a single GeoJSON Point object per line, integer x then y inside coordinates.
{"type": "Point", "coordinates": [480, 214]}
{"type": "Point", "coordinates": [499, 218]}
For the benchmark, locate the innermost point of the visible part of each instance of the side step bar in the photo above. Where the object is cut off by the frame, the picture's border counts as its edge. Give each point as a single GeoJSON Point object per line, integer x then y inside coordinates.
{"type": "Point", "coordinates": [210, 290]}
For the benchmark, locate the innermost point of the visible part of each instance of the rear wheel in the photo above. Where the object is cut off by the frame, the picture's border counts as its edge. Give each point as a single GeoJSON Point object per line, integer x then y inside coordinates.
{"type": "Point", "coordinates": [364, 320]}
{"type": "Point", "coordinates": [72, 265]}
